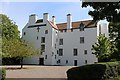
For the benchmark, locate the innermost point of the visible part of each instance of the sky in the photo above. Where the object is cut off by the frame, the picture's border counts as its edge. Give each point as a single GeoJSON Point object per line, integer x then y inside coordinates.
{"type": "Point", "coordinates": [19, 11]}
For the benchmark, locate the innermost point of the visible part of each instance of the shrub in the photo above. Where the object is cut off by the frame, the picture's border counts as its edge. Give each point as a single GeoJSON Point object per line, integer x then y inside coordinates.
{"type": "Point", "coordinates": [99, 71]}
{"type": "Point", "coordinates": [2, 73]}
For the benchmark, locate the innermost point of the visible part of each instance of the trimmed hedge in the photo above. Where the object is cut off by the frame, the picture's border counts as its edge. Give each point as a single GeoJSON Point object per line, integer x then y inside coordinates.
{"type": "Point", "coordinates": [99, 71]}
{"type": "Point", "coordinates": [2, 73]}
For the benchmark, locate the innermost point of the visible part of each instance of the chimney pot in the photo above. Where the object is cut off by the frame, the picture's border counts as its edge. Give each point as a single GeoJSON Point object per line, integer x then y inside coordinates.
{"type": "Point", "coordinates": [32, 19]}
{"type": "Point", "coordinates": [45, 17]}
{"type": "Point", "coordinates": [69, 21]}
{"type": "Point", "coordinates": [53, 20]}
{"type": "Point", "coordinates": [68, 14]}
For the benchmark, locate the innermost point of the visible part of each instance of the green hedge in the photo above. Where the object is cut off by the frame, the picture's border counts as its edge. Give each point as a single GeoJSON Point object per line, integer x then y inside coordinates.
{"type": "Point", "coordinates": [2, 73]}
{"type": "Point", "coordinates": [99, 71]}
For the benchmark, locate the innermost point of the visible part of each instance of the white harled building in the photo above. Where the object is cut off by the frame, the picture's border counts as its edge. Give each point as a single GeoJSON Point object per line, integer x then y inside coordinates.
{"type": "Point", "coordinates": [66, 43]}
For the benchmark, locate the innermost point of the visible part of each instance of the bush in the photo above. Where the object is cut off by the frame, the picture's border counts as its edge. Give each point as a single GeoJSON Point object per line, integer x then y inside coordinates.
{"type": "Point", "coordinates": [2, 73]}
{"type": "Point", "coordinates": [99, 71]}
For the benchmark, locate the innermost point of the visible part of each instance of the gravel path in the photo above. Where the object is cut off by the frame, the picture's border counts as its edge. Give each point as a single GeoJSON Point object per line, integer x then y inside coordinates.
{"type": "Point", "coordinates": [37, 72]}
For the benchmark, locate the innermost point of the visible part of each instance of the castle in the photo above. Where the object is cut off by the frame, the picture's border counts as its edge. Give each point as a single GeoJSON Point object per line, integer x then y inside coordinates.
{"type": "Point", "coordinates": [66, 44]}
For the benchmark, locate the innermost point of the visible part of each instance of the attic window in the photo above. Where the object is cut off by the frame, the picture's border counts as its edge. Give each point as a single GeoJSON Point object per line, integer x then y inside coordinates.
{"type": "Point", "coordinates": [82, 26]}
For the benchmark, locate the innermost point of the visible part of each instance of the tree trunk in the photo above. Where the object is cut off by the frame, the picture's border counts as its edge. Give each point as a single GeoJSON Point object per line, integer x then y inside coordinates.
{"type": "Point", "coordinates": [21, 62]}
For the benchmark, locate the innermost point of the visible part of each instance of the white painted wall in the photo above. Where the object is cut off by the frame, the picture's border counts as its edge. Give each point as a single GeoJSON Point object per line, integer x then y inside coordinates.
{"type": "Point", "coordinates": [31, 37]}
{"type": "Point", "coordinates": [71, 40]}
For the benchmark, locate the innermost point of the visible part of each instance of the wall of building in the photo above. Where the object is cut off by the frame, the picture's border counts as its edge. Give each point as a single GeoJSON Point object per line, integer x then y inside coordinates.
{"type": "Point", "coordinates": [31, 35]}
{"type": "Point", "coordinates": [31, 38]}
{"type": "Point", "coordinates": [71, 40]}
{"type": "Point", "coordinates": [48, 43]}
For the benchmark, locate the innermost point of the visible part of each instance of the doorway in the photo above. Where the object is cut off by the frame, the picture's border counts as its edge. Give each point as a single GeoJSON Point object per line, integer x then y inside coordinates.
{"type": "Point", "coordinates": [75, 62]}
{"type": "Point", "coordinates": [41, 61]}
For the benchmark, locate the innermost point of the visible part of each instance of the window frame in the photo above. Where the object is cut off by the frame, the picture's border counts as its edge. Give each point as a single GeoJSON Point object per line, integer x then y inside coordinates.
{"type": "Point", "coordinates": [59, 61]}
{"type": "Point", "coordinates": [75, 52]}
{"type": "Point", "coordinates": [46, 31]}
{"type": "Point", "coordinates": [24, 33]}
{"type": "Point", "coordinates": [82, 40]}
{"type": "Point", "coordinates": [86, 61]}
{"type": "Point", "coordinates": [61, 41]}
{"type": "Point", "coordinates": [66, 61]}
{"type": "Point", "coordinates": [85, 52]}
{"type": "Point", "coordinates": [45, 56]}
{"type": "Point", "coordinates": [43, 48]}
{"type": "Point", "coordinates": [37, 37]}
{"type": "Point", "coordinates": [60, 52]}
{"type": "Point", "coordinates": [42, 39]}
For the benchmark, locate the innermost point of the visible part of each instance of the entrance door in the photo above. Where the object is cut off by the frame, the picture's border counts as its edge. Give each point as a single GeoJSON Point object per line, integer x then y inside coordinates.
{"type": "Point", "coordinates": [75, 62]}
{"type": "Point", "coordinates": [41, 61]}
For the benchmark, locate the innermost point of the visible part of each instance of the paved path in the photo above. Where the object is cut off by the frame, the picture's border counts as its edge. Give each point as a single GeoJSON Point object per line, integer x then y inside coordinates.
{"type": "Point", "coordinates": [37, 72]}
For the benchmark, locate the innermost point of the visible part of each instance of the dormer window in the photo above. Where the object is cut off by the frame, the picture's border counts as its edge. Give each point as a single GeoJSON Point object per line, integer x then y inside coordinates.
{"type": "Point", "coordinates": [65, 30]}
{"type": "Point", "coordinates": [82, 26]}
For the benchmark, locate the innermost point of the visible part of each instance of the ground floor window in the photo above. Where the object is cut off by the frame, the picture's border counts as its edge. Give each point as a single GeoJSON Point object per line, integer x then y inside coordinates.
{"type": "Point", "coordinates": [59, 61]}
{"type": "Point", "coordinates": [86, 61]}
{"type": "Point", "coordinates": [66, 61]}
{"type": "Point", "coordinates": [45, 56]}
{"type": "Point", "coordinates": [60, 52]}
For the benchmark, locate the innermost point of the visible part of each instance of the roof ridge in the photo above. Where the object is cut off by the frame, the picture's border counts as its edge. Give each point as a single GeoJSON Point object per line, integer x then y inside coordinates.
{"type": "Point", "coordinates": [76, 21]}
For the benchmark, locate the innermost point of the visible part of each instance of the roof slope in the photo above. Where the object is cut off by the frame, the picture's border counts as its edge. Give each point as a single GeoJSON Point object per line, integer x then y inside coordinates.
{"type": "Point", "coordinates": [87, 23]}
{"type": "Point", "coordinates": [54, 26]}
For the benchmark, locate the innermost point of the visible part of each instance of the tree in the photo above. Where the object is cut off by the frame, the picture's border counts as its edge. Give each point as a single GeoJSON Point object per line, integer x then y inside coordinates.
{"type": "Point", "coordinates": [111, 12]}
{"type": "Point", "coordinates": [12, 45]}
{"type": "Point", "coordinates": [104, 10]}
{"type": "Point", "coordinates": [114, 29]}
{"type": "Point", "coordinates": [17, 49]}
{"type": "Point", "coordinates": [103, 48]}
{"type": "Point", "coordinates": [8, 28]}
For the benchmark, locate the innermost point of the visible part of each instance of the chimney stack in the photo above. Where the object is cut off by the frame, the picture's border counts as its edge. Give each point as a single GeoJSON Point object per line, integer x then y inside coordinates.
{"type": "Point", "coordinates": [53, 20]}
{"type": "Point", "coordinates": [32, 19]}
{"type": "Point", "coordinates": [69, 21]}
{"type": "Point", "coordinates": [45, 17]}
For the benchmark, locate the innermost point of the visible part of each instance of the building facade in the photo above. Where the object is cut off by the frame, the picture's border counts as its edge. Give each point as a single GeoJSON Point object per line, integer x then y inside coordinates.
{"type": "Point", "coordinates": [67, 43]}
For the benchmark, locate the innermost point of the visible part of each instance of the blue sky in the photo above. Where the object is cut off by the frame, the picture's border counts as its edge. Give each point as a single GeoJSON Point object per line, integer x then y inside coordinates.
{"type": "Point", "coordinates": [19, 11]}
